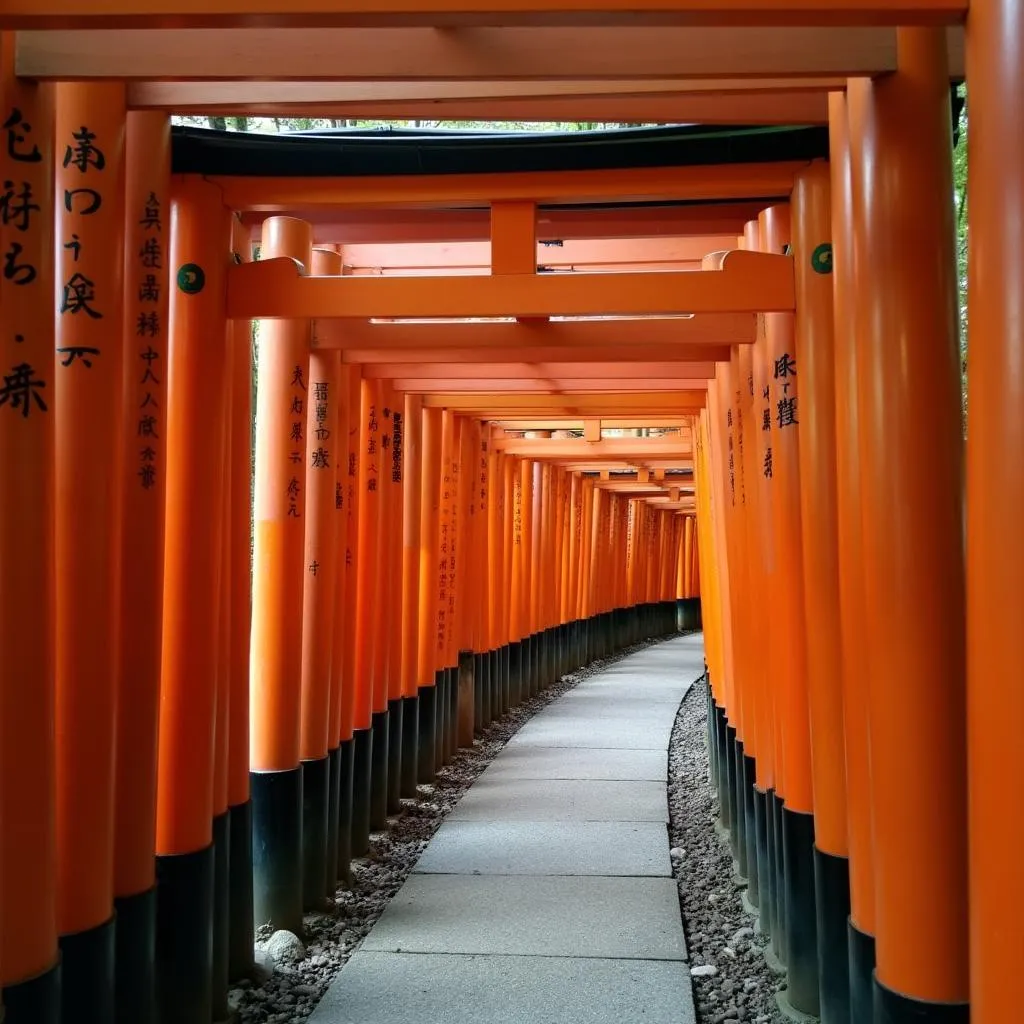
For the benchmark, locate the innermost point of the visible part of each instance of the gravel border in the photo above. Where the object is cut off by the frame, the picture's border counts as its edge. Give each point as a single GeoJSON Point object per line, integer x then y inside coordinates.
{"type": "Point", "coordinates": [293, 977]}
{"type": "Point", "coordinates": [731, 980]}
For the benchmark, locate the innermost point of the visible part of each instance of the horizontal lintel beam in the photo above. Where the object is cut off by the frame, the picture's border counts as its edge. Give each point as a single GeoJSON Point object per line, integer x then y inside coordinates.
{"type": "Point", "coordinates": [467, 54]}
{"type": "Point", "coordinates": [628, 448]}
{"type": "Point", "coordinates": [689, 356]}
{"type": "Point", "coordinates": [610, 373]}
{"type": "Point", "coordinates": [684, 335]}
{"type": "Point", "coordinates": [450, 14]}
{"type": "Point", "coordinates": [553, 386]}
{"type": "Point", "coordinates": [749, 282]}
{"type": "Point", "coordinates": [711, 183]}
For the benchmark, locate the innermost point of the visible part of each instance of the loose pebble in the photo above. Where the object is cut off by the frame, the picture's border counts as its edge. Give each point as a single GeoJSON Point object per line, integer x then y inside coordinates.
{"type": "Point", "coordinates": [732, 981]}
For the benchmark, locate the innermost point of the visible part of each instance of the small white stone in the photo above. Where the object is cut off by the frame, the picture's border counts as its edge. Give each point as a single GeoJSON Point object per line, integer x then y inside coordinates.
{"type": "Point", "coordinates": [704, 971]}
{"type": "Point", "coordinates": [676, 853]}
{"type": "Point", "coordinates": [286, 948]}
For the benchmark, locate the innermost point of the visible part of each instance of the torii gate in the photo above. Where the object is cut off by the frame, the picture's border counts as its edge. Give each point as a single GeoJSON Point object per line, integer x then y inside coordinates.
{"type": "Point", "coordinates": [823, 563]}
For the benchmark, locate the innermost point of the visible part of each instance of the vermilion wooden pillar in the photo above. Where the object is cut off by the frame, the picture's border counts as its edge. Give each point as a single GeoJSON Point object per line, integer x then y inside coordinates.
{"type": "Point", "coordinates": [411, 454]}
{"type": "Point", "coordinates": [339, 799]}
{"type": "Point", "coordinates": [430, 512]}
{"type": "Point", "coordinates": [90, 421]}
{"type": "Point", "coordinates": [278, 578]}
{"type": "Point", "coordinates": [239, 597]}
{"type": "Point", "coordinates": [392, 471]}
{"type": "Point", "coordinates": [368, 734]}
{"type": "Point", "coordinates": [812, 255]}
{"type": "Point", "coordinates": [857, 644]}
{"type": "Point", "coordinates": [912, 512]}
{"type": "Point", "coordinates": [348, 629]}
{"type": "Point", "coordinates": [995, 495]}
{"type": "Point", "coordinates": [29, 970]}
{"type": "Point", "coordinates": [320, 439]}
{"type": "Point", "coordinates": [797, 819]}
{"type": "Point", "coordinates": [200, 252]}
{"type": "Point", "coordinates": [147, 285]}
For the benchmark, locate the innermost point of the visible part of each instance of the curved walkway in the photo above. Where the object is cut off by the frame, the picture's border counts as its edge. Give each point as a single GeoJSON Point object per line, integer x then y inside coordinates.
{"type": "Point", "coordinates": [547, 895]}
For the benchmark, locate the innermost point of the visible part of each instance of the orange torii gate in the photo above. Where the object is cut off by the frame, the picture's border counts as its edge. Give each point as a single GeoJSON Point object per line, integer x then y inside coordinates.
{"type": "Point", "coordinates": [847, 639]}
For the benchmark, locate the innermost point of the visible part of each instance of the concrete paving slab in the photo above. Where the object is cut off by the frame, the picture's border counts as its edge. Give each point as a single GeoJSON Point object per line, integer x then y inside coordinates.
{"type": "Point", "coordinates": [628, 918]}
{"type": "Point", "coordinates": [565, 800]}
{"type": "Point", "coordinates": [610, 733]}
{"type": "Point", "coordinates": [578, 763]}
{"type": "Point", "coordinates": [547, 848]}
{"type": "Point", "coordinates": [388, 988]}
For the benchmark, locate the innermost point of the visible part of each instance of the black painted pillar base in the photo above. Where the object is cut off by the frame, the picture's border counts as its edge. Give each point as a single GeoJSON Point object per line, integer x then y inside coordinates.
{"type": "Point", "coordinates": [894, 1008]}
{"type": "Point", "coordinates": [801, 914]}
{"type": "Point", "coordinates": [535, 664]}
{"type": "Point", "coordinates": [410, 746]}
{"type": "Point", "coordinates": [765, 861]}
{"type": "Point", "coordinates": [515, 670]}
{"type": "Point", "coordinates": [724, 807]}
{"type": "Point", "coordinates": [362, 770]}
{"type": "Point", "coordinates": [333, 820]}
{"type": "Point", "coordinates": [221, 915]}
{"type": "Point", "coordinates": [184, 932]}
{"type": "Point", "coordinates": [277, 848]}
{"type": "Point", "coordinates": [730, 788]}
{"type": "Point", "coordinates": [505, 673]}
{"type": "Point", "coordinates": [498, 681]}
{"type": "Point", "coordinates": [440, 716]}
{"type": "Point", "coordinates": [396, 737]}
{"type": "Point", "coordinates": [315, 785]}
{"type": "Point", "coordinates": [832, 898]}
{"type": "Point", "coordinates": [87, 975]}
{"type": "Point", "coordinates": [240, 929]}
{"type": "Point", "coordinates": [712, 738]}
{"type": "Point", "coordinates": [496, 685]}
{"type": "Point", "coordinates": [481, 692]}
{"type": "Point", "coordinates": [780, 942]}
{"type": "Point", "coordinates": [379, 772]}
{"type": "Point", "coordinates": [135, 958]}
{"type": "Point", "coordinates": [740, 832]}
{"type": "Point", "coordinates": [36, 1001]}
{"type": "Point", "coordinates": [427, 727]}
{"type": "Point", "coordinates": [862, 975]}
{"type": "Point", "coordinates": [346, 778]}
{"type": "Point", "coordinates": [750, 831]}
{"type": "Point", "coordinates": [453, 712]}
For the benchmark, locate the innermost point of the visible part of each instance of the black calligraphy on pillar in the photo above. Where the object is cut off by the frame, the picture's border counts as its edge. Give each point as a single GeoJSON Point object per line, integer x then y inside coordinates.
{"type": "Point", "coordinates": [148, 325]}
{"type": "Point", "coordinates": [396, 448]}
{"type": "Point", "coordinates": [767, 469]}
{"type": "Point", "coordinates": [23, 386]}
{"type": "Point", "coordinates": [373, 429]}
{"type": "Point", "coordinates": [82, 152]}
{"type": "Point", "coordinates": [18, 146]}
{"type": "Point", "coordinates": [785, 368]}
{"type": "Point", "coordinates": [21, 391]}
{"type": "Point", "coordinates": [296, 454]}
{"type": "Point", "coordinates": [18, 206]}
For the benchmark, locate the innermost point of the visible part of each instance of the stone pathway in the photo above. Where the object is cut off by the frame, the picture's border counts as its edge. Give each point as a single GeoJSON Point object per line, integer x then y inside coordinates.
{"type": "Point", "coordinates": [547, 895]}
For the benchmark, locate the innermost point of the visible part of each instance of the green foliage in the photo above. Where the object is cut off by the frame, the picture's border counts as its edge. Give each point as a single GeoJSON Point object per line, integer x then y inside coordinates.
{"type": "Point", "coordinates": [960, 199]}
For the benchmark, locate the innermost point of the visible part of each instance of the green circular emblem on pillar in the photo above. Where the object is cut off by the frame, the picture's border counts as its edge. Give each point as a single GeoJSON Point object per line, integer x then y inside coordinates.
{"type": "Point", "coordinates": [821, 259]}
{"type": "Point", "coordinates": [191, 278]}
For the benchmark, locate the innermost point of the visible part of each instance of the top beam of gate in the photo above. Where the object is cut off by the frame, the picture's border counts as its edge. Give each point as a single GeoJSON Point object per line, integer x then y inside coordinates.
{"type": "Point", "coordinates": [455, 13]}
